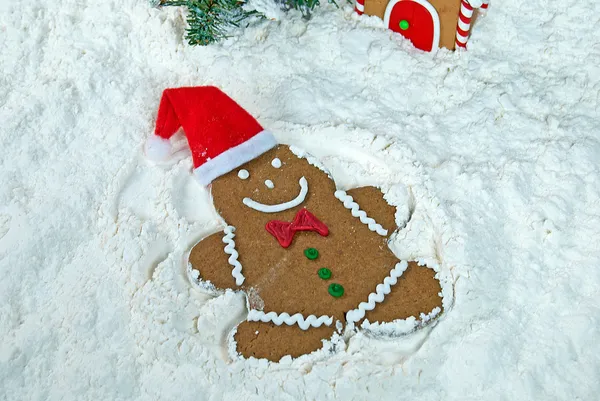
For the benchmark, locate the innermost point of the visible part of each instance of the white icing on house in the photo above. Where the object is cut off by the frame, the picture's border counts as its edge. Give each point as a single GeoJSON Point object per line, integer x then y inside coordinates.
{"type": "Point", "coordinates": [233, 259]}
{"type": "Point", "coordinates": [269, 184]}
{"type": "Point", "coordinates": [381, 291]}
{"type": "Point", "coordinates": [356, 212]}
{"type": "Point", "coordinates": [303, 322]}
{"type": "Point", "coordinates": [243, 174]}
{"type": "Point", "coordinates": [280, 207]}
{"type": "Point", "coordinates": [276, 163]}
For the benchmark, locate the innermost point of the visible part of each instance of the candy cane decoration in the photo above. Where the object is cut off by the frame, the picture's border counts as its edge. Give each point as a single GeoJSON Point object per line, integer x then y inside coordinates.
{"type": "Point", "coordinates": [464, 24]}
{"type": "Point", "coordinates": [464, 21]}
{"type": "Point", "coordinates": [359, 7]}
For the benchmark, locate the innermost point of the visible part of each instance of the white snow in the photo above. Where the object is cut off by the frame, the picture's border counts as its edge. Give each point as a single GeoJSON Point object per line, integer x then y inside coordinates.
{"type": "Point", "coordinates": [499, 147]}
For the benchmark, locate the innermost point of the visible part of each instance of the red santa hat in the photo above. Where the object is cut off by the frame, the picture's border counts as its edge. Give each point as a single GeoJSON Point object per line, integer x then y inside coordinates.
{"type": "Point", "coordinates": [221, 134]}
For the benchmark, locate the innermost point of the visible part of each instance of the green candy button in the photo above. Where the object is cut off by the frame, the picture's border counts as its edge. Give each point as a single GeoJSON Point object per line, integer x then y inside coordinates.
{"type": "Point", "coordinates": [404, 25]}
{"type": "Point", "coordinates": [324, 273]}
{"type": "Point", "coordinates": [311, 253]}
{"type": "Point", "coordinates": [336, 290]}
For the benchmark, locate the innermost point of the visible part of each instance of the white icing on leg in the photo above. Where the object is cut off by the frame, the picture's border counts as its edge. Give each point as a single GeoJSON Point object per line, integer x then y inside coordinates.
{"type": "Point", "coordinates": [281, 206]}
{"type": "Point", "coordinates": [356, 212]}
{"type": "Point", "coordinates": [303, 322]}
{"type": "Point", "coordinates": [381, 291]}
{"type": "Point", "coordinates": [233, 259]}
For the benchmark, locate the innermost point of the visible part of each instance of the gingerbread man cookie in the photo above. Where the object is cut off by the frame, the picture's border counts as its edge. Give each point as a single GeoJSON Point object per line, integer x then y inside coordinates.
{"type": "Point", "coordinates": [311, 259]}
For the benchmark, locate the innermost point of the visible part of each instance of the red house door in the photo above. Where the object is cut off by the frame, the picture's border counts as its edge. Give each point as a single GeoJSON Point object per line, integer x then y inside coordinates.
{"type": "Point", "coordinates": [416, 20]}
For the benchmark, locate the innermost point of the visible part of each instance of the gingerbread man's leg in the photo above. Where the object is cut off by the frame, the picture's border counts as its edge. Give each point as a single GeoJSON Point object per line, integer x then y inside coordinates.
{"type": "Point", "coordinates": [209, 258]}
{"type": "Point", "coordinates": [417, 290]}
{"type": "Point", "coordinates": [267, 340]}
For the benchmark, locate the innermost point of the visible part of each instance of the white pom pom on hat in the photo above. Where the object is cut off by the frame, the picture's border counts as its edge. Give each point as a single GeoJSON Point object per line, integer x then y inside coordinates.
{"type": "Point", "coordinates": [158, 149]}
{"type": "Point", "coordinates": [221, 134]}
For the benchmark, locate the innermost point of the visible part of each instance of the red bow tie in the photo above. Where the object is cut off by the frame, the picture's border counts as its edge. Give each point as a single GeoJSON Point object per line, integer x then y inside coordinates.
{"type": "Point", "coordinates": [304, 221]}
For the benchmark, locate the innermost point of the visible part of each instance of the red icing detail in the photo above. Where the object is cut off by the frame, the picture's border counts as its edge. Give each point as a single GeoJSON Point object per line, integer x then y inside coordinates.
{"type": "Point", "coordinates": [282, 231]}
{"type": "Point", "coordinates": [421, 25]}
{"type": "Point", "coordinates": [304, 221]}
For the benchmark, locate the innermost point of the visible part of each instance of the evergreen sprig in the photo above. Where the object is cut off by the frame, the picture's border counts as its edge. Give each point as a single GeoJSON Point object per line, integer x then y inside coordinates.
{"type": "Point", "coordinates": [211, 20]}
{"type": "Point", "coordinates": [304, 6]}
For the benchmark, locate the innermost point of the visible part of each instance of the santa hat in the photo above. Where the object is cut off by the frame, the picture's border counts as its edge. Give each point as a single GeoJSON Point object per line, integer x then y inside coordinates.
{"type": "Point", "coordinates": [221, 134]}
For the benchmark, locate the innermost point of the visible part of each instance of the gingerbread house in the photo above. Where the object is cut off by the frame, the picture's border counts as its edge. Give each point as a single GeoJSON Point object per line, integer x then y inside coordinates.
{"type": "Point", "coordinates": [428, 24]}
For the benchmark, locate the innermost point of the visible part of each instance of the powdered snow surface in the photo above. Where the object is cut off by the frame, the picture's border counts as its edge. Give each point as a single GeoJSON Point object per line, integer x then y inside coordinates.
{"type": "Point", "coordinates": [498, 147]}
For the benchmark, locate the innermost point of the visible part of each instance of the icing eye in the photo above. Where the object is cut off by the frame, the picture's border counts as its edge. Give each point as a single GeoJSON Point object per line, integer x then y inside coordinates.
{"type": "Point", "coordinates": [243, 174]}
{"type": "Point", "coordinates": [276, 163]}
{"type": "Point", "coordinates": [269, 184]}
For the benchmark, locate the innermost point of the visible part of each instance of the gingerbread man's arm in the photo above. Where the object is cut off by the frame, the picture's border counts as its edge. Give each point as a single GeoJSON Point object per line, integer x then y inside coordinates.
{"type": "Point", "coordinates": [370, 199]}
{"type": "Point", "coordinates": [216, 260]}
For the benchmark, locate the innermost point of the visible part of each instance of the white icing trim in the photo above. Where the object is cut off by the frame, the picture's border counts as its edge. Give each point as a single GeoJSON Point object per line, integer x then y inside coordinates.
{"type": "Point", "coordinates": [432, 11]}
{"type": "Point", "coordinates": [234, 157]}
{"type": "Point", "coordinates": [303, 322]}
{"type": "Point", "coordinates": [381, 291]}
{"type": "Point", "coordinates": [280, 207]}
{"type": "Point", "coordinates": [233, 259]}
{"type": "Point", "coordinates": [356, 212]}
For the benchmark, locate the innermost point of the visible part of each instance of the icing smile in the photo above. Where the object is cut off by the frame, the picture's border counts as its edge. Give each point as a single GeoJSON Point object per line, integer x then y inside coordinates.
{"type": "Point", "coordinates": [280, 207]}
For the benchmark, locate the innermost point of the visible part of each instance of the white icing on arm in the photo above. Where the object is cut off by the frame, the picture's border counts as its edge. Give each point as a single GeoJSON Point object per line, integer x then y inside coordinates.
{"type": "Point", "coordinates": [233, 259]}
{"type": "Point", "coordinates": [301, 321]}
{"type": "Point", "coordinates": [356, 212]}
{"type": "Point", "coordinates": [280, 207]}
{"type": "Point", "coordinates": [381, 291]}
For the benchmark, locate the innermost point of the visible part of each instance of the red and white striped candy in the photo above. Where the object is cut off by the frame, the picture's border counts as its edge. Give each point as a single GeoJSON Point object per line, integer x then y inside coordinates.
{"type": "Point", "coordinates": [464, 22]}
{"type": "Point", "coordinates": [359, 7]}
